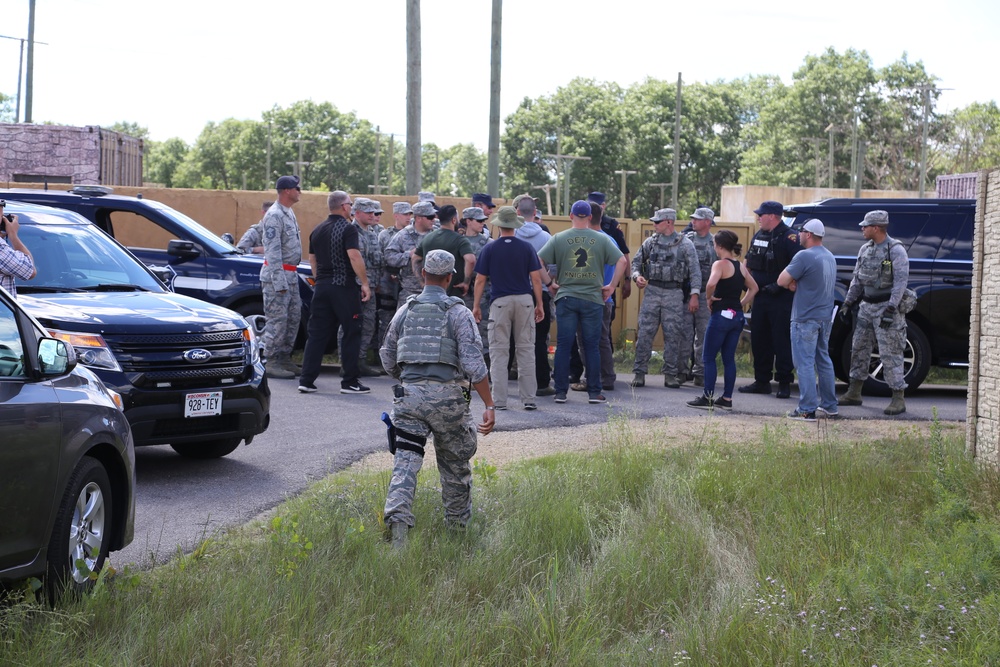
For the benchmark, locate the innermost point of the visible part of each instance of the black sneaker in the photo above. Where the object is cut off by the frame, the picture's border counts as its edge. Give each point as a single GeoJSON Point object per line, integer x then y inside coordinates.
{"type": "Point", "coordinates": [799, 415]}
{"type": "Point", "coordinates": [307, 387]}
{"type": "Point", "coordinates": [354, 388]}
{"type": "Point", "coordinates": [702, 403]}
{"type": "Point", "coordinates": [826, 414]}
{"type": "Point", "coordinates": [599, 398]}
{"type": "Point", "coordinates": [530, 406]}
{"type": "Point", "coordinates": [724, 403]}
{"type": "Point", "coordinates": [560, 397]}
{"type": "Point", "coordinates": [756, 388]}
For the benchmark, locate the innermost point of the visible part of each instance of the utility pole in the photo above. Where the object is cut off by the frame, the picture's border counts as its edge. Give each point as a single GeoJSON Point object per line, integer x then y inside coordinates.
{"type": "Point", "coordinates": [859, 177]}
{"type": "Point", "coordinates": [437, 169]}
{"type": "Point", "coordinates": [378, 138]}
{"type": "Point", "coordinates": [567, 161]}
{"type": "Point", "coordinates": [493, 150]}
{"type": "Point", "coordinates": [30, 84]}
{"type": "Point", "coordinates": [548, 195]}
{"type": "Point", "coordinates": [926, 90]}
{"type": "Point", "coordinates": [625, 174]}
{"type": "Point", "coordinates": [298, 164]}
{"type": "Point", "coordinates": [413, 145]}
{"type": "Point", "coordinates": [662, 186]}
{"type": "Point", "coordinates": [677, 145]}
{"type": "Point", "coordinates": [392, 157]}
{"type": "Point", "coordinates": [267, 166]}
{"type": "Point", "coordinates": [815, 142]}
{"type": "Point", "coordinates": [830, 129]}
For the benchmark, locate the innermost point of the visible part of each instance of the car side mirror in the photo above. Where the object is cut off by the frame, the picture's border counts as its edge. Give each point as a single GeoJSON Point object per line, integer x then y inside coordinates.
{"type": "Point", "coordinates": [182, 249]}
{"type": "Point", "coordinates": [55, 357]}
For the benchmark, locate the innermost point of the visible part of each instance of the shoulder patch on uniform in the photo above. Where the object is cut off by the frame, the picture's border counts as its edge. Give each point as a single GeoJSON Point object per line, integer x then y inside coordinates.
{"type": "Point", "coordinates": [794, 238]}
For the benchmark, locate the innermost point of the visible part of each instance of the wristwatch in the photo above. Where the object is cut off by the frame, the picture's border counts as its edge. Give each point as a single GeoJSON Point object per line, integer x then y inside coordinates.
{"type": "Point", "coordinates": [491, 407]}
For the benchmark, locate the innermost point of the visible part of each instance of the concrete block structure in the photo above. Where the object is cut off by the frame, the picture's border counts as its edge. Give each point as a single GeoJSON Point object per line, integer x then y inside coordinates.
{"type": "Point", "coordinates": [54, 154]}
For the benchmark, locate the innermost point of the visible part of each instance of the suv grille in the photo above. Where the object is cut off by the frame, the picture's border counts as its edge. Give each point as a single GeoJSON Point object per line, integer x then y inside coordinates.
{"type": "Point", "coordinates": [159, 358]}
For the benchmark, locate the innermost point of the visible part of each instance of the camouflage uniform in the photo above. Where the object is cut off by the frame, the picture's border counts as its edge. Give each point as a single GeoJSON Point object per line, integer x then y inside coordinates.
{"type": "Point", "coordinates": [387, 288]}
{"type": "Point", "coordinates": [280, 281]}
{"type": "Point", "coordinates": [667, 262]}
{"type": "Point", "coordinates": [371, 253]}
{"type": "Point", "coordinates": [397, 255]}
{"type": "Point", "coordinates": [251, 239]}
{"type": "Point", "coordinates": [695, 324]}
{"type": "Point", "coordinates": [432, 400]}
{"type": "Point", "coordinates": [879, 281]}
{"type": "Point", "coordinates": [478, 243]}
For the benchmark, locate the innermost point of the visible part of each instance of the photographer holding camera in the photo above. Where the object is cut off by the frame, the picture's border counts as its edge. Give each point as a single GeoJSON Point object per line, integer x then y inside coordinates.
{"type": "Point", "coordinates": [15, 260]}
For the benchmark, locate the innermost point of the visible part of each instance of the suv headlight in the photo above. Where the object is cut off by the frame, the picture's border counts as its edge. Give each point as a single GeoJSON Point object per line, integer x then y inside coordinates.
{"type": "Point", "coordinates": [91, 349]}
{"type": "Point", "coordinates": [251, 345]}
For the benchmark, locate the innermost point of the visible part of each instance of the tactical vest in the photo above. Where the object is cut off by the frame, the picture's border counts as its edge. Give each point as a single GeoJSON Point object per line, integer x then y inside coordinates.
{"type": "Point", "coordinates": [875, 269]}
{"type": "Point", "coordinates": [426, 337]}
{"type": "Point", "coordinates": [765, 255]}
{"type": "Point", "coordinates": [705, 249]}
{"type": "Point", "coordinates": [665, 260]}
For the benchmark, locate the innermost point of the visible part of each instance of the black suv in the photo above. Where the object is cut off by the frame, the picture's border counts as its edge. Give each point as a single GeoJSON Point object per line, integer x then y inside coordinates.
{"type": "Point", "coordinates": [185, 255]}
{"type": "Point", "coordinates": [937, 235]}
{"type": "Point", "coordinates": [189, 373]}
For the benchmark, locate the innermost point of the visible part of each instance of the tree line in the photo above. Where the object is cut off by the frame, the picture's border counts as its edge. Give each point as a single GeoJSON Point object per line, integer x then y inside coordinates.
{"type": "Point", "coordinates": [839, 119]}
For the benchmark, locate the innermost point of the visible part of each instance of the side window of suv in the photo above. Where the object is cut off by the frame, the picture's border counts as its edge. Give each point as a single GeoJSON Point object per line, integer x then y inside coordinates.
{"type": "Point", "coordinates": [135, 231]}
{"type": "Point", "coordinates": [11, 349]}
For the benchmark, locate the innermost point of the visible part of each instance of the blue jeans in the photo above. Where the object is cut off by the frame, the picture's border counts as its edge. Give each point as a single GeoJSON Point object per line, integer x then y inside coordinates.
{"type": "Point", "coordinates": [721, 335]}
{"type": "Point", "coordinates": [810, 340]}
{"type": "Point", "coordinates": [573, 313]}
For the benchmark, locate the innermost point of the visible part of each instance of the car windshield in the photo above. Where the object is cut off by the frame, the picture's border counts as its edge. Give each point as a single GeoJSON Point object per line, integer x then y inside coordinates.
{"type": "Point", "coordinates": [78, 257]}
{"type": "Point", "coordinates": [205, 236]}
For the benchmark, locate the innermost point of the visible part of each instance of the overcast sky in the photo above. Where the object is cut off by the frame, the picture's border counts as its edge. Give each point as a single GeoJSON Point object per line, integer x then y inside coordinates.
{"type": "Point", "coordinates": [174, 66]}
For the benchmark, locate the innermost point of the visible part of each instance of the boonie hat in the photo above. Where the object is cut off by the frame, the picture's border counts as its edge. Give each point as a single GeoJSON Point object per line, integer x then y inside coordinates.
{"type": "Point", "coordinates": [473, 213]}
{"type": "Point", "coordinates": [815, 227]}
{"type": "Point", "coordinates": [880, 218]}
{"type": "Point", "coordinates": [581, 209]}
{"type": "Point", "coordinates": [664, 214]}
{"type": "Point", "coordinates": [287, 183]}
{"type": "Point", "coordinates": [596, 197]}
{"type": "Point", "coordinates": [424, 209]}
{"type": "Point", "coordinates": [770, 207]}
{"type": "Point", "coordinates": [439, 262]}
{"type": "Point", "coordinates": [402, 208]}
{"type": "Point", "coordinates": [483, 198]}
{"type": "Point", "coordinates": [703, 213]}
{"type": "Point", "coordinates": [507, 217]}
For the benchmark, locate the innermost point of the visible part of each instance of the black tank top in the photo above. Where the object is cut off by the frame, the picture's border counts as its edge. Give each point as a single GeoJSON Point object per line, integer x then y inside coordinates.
{"type": "Point", "coordinates": [729, 290]}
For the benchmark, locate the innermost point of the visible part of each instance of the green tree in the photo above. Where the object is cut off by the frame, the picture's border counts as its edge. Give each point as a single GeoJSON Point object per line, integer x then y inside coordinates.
{"type": "Point", "coordinates": [972, 140]}
{"type": "Point", "coordinates": [162, 160]}
{"type": "Point", "coordinates": [131, 129]}
{"type": "Point", "coordinates": [6, 109]}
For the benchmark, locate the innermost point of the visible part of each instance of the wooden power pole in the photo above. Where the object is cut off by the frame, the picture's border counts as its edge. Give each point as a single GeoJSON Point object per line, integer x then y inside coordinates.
{"type": "Point", "coordinates": [413, 145]}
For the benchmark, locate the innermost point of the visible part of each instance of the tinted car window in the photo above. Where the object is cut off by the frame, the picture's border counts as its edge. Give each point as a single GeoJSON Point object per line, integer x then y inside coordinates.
{"type": "Point", "coordinates": [11, 349]}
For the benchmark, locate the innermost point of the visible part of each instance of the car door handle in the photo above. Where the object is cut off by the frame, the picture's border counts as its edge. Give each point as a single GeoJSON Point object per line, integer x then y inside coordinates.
{"type": "Point", "coordinates": [958, 281]}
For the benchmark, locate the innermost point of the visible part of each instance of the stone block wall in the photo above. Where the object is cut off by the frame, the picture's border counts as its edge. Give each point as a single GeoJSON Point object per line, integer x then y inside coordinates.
{"type": "Point", "coordinates": [983, 406]}
{"type": "Point", "coordinates": [61, 154]}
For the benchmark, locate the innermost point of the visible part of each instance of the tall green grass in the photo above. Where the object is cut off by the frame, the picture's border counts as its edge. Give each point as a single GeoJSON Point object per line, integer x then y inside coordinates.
{"type": "Point", "coordinates": [774, 552]}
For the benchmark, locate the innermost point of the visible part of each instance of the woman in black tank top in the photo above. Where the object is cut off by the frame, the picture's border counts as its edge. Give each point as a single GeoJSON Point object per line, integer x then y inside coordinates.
{"type": "Point", "coordinates": [724, 292]}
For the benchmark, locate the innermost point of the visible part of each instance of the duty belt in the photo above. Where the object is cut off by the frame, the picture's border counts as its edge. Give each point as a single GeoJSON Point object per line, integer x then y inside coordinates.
{"type": "Point", "coordinates": [286, 267]}
{"type": "Point", "coordinates": [882, 298]}
{"type": "Point", "coordinates": [665, 284]}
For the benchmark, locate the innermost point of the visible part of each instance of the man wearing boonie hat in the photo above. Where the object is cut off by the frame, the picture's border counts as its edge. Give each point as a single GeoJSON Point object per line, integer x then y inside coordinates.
{"type": "Point", "coordinates": [696, 322]}
{"type": "Point", "coordinates": [433, 348]}
{"type": "Point", "coordinates": [514, 272]}
{"type": "Point", "coordinates": [665, 266]}
{"type": "Point", "coordinates": [771, 249]}
{"type": "Point", "coordinates": [580, 255]}
{"type": "Point", "coordinates": [473, 223]}
{"type": "Point", "coordinates": [279, 278]}
{"type": "Point", "coordinates": [879, 282]}
{"type": "Point", "coordinates": [399, 250]}
{"type": "Point", "coordinates": [812, 275]}
{"type": "Point", "coordinates": [366, 218]}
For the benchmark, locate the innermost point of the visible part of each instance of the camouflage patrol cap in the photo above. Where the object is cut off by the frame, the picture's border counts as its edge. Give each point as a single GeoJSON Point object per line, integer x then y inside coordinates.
{"type": "Point", "coordinates": [439, 263]}
{"type": "Point", "coordinates": [473, 213]}
{"type": "Point", "coordinates": [880, 218]}
{"type": "Point", "coordinates": [366, 205]}
{"type": "Point", "coordinates": [425, 196]}
{"type": "Point", "coordinates": [703, 213]}
{"type": "Point", "coordinates": [424, 209]}
{"type": "Point", "coordinates": [402, 208]}
{"type": "Point", "coordinates": [664, 214]}
{"type": "Point", "coordinates": [518, 199]}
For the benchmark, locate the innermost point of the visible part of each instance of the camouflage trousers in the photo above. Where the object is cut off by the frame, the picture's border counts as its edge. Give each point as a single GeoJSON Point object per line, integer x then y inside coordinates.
{"type": "Point", "coordinates": [282, 311]}
{"type": "Point", "coordinates": [405, 294]}
{"type": "Point", "coordinates": [369, 322]}
{"type": "Point", "coordinates": [891, 342]}
{"type": "Point", "coordinates": [440, 410]}
{"type": "Point", "coordinates": [386, 309]}
{"type": "Point", "coordinates": [660, 308]}
{"type": "Point", "coordinates": [693, 338]}
{"type": "Point", "coordinates": [484, 308]}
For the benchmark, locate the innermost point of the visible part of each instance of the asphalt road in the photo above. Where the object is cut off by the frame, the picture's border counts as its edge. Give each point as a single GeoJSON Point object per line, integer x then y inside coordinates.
{"type": "Point", "coordinates": [182, 501]}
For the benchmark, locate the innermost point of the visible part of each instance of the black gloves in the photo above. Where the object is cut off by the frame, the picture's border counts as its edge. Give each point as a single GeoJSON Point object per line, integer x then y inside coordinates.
{"type": "Point", "coordinates": [888, 315]}
{"type": "Point", "coordinates": [771, 288]}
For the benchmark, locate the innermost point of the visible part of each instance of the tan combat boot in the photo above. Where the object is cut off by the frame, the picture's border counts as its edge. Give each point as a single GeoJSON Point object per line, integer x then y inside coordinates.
{"type": "Point", "coordinates": [853, 394]}
{"type": "Point", "coordinates": [896, 405]}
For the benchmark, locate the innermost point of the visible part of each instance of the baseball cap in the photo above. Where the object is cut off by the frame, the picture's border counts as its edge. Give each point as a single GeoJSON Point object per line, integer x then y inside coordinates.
{"type": "Point", "coordinates": [439, 262]}
{"type": "Point", "coordinates": [815, 227]}
{"type": "Point", "coordinates": [703, 213]}
{"type": "Point", "coordinates": [483, 198]}
{"type": "Point", "coordinates": [770, 207]}
{"type": "Point", "coordinates": [664, 214]}
{"type": "Point", "coordinates": [473, 213]}
{"type": "Point", "coordinates": [507, 217]}
{"type": "Point", "coordinates": [596, 197]}
{"type": "Point", "coordinates": [581, 209]}
{"type": "Point", "coordinates": [880, 218]}
{"type": "Point", "coordinates": [402, 207]}
{"type": "Point", "coordinates": [424, 209]}
{"type": "Point", "coordinates": [287, 183]}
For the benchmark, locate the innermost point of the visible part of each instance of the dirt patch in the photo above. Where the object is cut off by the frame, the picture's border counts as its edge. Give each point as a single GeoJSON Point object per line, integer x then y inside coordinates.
{"type": "Point", "coordinates": [503, 448]}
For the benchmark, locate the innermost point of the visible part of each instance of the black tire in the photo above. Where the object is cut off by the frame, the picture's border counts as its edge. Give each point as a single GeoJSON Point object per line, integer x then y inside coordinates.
{"type": "Point", "coordinates": [253, 312]}
{"type": "Point", "coordinates": [209, 449]}
{"type": "Point", "coordinates": [82, 531]}
{"type": "Point", "coordinates": [916, 362]}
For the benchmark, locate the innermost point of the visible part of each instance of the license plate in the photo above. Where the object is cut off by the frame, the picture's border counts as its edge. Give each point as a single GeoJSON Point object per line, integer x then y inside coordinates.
{"type": "Point", "coordinates": [204, 404]}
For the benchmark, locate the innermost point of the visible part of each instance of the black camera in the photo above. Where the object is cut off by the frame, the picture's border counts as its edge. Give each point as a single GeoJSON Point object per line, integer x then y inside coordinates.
{"type": "Point", "coordinates": [4, 218]}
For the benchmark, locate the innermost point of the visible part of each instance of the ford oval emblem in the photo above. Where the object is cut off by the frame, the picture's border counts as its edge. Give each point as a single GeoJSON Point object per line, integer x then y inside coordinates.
{"type": "Point", "coordinates": [197, 356]}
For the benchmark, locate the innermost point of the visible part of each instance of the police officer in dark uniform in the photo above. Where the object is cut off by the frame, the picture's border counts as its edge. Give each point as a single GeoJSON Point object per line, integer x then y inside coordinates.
{"type": "Point", "coordinates": [771, 249]}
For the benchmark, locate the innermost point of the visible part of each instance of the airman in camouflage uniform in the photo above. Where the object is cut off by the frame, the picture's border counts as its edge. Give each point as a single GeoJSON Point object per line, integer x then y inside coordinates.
{"type": "Point", "coordinates": [279, 279]}
{"type": "Point", "coordinates": [696, 322]}
{"type": "Point", "coordinates": [665, 262]}
{"type": "Point", "coordinates": [879, 282]}
{"type": "Point", "coordinates": [401, 247]}
{"type": "Point", "coordinates": [432, 347]}
{"type": "Point", "coordinates": [387, 291]}
{"type": "Point", "coordinates": [366, 217]}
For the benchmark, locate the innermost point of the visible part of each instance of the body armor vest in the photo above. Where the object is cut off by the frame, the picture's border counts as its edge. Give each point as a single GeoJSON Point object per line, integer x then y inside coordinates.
{"type": "Point", "coordinates": [426, 337]}
{"type": "Point", "coordinates": [875, 269]}
{"type": "Point", "coordinates": [665, 260]}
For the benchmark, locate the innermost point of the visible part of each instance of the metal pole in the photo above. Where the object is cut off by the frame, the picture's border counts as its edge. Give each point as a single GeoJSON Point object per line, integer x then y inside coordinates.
{"type": "Point", "coordinates": [830, 175]}
{"type": "Point", "coordinates": [392, 155]}
{"type": "Point", "coordinates": [493, 151]}
{"type": "Point", "coordinates": [267, 176]}
{"type": "Point", "coordinates": [662, 186]}
{"type": "Point", "coordinates": [413, 145]}
{"type": "Point", "coordinates": [30, 84]}
{"type": "Point", "coordinates": [378, 138]}
{"type": "Point", "coordinates": [859, 177]}
{"type": "Point", "coordinates": [923, 141]}
{"type": "Point", "coordinates": [20, 68]}
{"type": "Point", "coordinates": [437, 169]}
{"type": "Point", "coordinates": [677, 147]}
{"type": "Point", "coordinates": [621, 210]}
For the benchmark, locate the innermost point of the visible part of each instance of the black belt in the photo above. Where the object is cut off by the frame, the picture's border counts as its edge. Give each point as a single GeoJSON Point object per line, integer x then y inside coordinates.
{"type": "Point", "coordinates": [665, 284]}
{"type": "Point", "coordinates": [876, 299]}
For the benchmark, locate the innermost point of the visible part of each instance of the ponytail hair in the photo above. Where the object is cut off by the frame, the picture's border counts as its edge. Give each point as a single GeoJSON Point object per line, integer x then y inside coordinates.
{"type": "Point", "coordinates": [727, 240]}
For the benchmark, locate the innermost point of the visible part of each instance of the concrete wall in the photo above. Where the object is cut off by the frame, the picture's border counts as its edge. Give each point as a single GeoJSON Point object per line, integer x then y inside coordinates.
{"type": "Point", "coordinates": [739, 201]}
{"type": "Point", "coordinates": [79, 155]}
{"type": "Point", "coordinates": [983, 406]}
